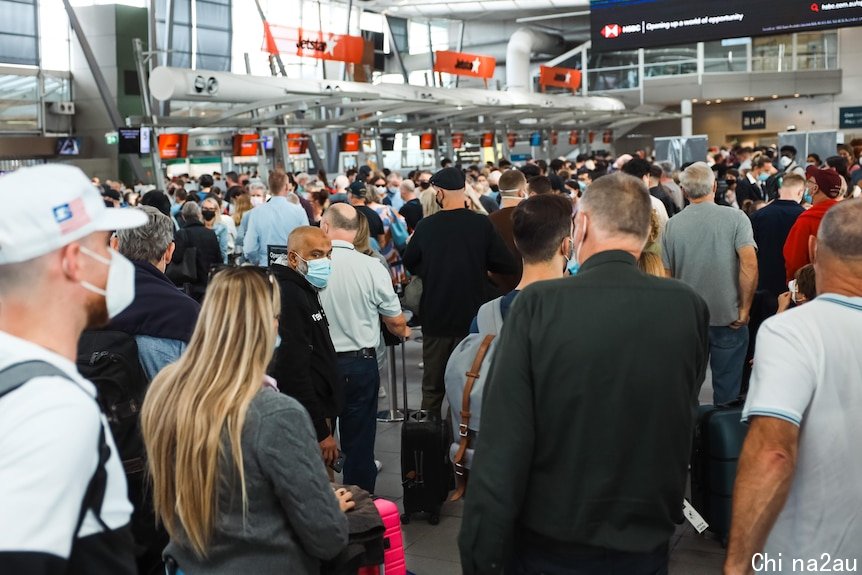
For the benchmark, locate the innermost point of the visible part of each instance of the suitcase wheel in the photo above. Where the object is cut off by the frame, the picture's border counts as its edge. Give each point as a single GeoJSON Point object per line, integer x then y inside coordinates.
{"type": "Point", "coordinates": [434, 519]}
{"type": "Point", "coordinates": [405, 519]}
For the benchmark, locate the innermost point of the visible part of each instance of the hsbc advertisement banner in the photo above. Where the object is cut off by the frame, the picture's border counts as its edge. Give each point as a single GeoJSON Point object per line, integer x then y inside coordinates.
{"type": "Point", "coordinates": [631, 24]}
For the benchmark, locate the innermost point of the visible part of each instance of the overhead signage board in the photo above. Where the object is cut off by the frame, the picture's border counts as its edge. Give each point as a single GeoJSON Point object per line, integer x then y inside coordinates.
{"type": "Point", "coordinates": [850, 117]}
{"type": "Point", "coordinates": [463, 64]}
{"type": "Point", "coordinates": [314, 44]}
{"type": "Point", "coordinates": [754, 120]}
{"type": "Point", "coordinates": [559, 78]}
{"type": "Point", "coordinates": [631, 24]}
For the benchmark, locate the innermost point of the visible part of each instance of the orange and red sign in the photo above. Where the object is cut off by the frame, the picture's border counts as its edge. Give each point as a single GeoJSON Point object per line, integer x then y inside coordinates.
{"type": "Point", "coordinates": [560, 78]}
{"type": "Point", "coordinates": [297, 143]}
{"type": "Point", "coordinates": [463, 64]}
{"type": "Point", "coordinates": [608, 137]}
{"type": "Point", "coordinates": [173, 146]}
{"type": "Point", "coordinates": [488, 140]}
{"type": "Point", "coordinates": [511, 139]}
{"type": "Point", "coordinates": [350, 142]}
{"type": "Point", "coordinates": [458, 140]}
{"type": "Point", "coordinates": [574, 138]}
{"type": "Point", "coordinates": [426, 141]}
{"type": "Point", "coordinates": [245, 145]}
{"type": "Point", "coordinates": [313, 44]}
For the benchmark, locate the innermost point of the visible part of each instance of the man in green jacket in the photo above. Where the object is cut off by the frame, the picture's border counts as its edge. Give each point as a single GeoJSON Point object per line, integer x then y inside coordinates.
{"type": "Point", "coordinates": [589, 408]}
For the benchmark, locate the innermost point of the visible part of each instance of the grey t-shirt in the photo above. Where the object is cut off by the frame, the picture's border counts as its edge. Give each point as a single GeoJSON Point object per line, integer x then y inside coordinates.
{"type": "Point", "coordinates": [700, 247]}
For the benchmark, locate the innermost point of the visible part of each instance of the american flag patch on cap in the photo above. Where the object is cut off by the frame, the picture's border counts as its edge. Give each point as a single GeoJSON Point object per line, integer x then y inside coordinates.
{"type": "Point", "coordinates": [72, 216]}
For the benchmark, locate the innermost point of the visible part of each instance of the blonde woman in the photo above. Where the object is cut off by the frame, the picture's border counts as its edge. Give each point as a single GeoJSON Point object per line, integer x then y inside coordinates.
{"type": "Point", "coordinates": [650, 261]}
{"type": "Point", "coordinates": [237, 476]}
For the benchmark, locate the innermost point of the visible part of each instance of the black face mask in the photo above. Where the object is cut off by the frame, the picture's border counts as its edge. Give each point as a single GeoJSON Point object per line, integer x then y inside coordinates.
{"type": "Point", "coordinates": [208, 215]}
{"type": "Point", "coordinates": [730, 183]}
{"type": "Point", "coordinates": [424, 185]}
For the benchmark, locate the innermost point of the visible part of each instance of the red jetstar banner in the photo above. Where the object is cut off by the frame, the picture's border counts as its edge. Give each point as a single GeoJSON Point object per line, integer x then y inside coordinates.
{"type": "Point", "coordinates": [559, 78]}
{"type": "Point", "coordinates": [464, 64]}
{"type": "Point", "coordinates": [314, 44]}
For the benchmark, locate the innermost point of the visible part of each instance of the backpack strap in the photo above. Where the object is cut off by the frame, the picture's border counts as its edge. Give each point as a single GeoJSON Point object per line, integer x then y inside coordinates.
{"type": "Point", "coordinates": [490, 316]}
{"type": "Point", "coordinates": [15, 376]}
{"type": "Point", "coordinates": [462, 472]}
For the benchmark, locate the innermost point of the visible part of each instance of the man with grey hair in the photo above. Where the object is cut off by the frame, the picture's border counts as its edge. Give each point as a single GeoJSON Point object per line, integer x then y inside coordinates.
{"type": "Point", "coordinates": [195, 235]}
{"type": "Point", "coordinates": [411, 210]}
{"type": "Point", "coordinates": [161, 318]}
{"type": "Point", "coordinates": [358, 296]}
{"type": "Point", "coordinates": [670, 185]}
{"type": "Point", "coordinates": [558, 400]}
{"type": "Point", "coordinates": [802, 447]}
{"type": "Point", "coordinates": [712, 249]}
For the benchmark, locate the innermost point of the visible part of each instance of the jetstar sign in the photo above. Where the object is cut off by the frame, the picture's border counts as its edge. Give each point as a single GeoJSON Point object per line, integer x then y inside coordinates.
{"type": "Point", "coordinates": [314, 44]}
{"type": "Point", "coordinates": [464, 64]}
{"type": "Point", "coordinates": [611, 31]}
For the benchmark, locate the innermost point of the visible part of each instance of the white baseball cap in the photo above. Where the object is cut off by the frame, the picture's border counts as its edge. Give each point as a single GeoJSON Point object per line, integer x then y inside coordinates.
{"type": "Point", "coordinates": [44, 208]}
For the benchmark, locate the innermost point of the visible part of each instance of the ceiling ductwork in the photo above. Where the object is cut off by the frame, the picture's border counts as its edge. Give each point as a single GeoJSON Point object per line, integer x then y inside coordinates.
{"type": "Point", "coordinates": [522, 44]}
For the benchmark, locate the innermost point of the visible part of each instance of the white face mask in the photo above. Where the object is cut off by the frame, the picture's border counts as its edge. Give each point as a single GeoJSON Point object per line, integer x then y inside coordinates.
{"type": "Point", "coordinates": [120, 289]}
{"type": "Point", "coordinates": [784, 161]}
{"type": "Point", "coordinates": [256, 201]}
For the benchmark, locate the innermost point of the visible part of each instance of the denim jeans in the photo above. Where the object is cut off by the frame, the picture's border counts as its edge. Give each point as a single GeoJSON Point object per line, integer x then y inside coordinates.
{"type": "Point", "coordinates": [357, 425]}
{"type": "Point", "coordinates": [727, 349]}
{"type": "Point", "coordinates": [534, 561]}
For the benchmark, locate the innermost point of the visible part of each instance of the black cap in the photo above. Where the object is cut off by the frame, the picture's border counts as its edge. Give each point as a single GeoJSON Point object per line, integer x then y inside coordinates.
{"type": "Point", "coordinates": [449, 179]}
{"type": "Point", "coordinates": [357, 188]}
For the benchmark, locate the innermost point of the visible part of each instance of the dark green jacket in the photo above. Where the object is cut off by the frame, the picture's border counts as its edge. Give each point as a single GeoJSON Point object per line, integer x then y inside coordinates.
{"type": "Point", "coordinates": [588, 414]}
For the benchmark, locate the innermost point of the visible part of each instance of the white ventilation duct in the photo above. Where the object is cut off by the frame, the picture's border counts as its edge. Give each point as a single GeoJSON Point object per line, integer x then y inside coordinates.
{"type": "Point", "coordinates": [521, 46]}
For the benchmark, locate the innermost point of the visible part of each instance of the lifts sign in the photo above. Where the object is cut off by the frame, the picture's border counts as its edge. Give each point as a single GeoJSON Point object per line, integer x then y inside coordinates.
{"type": "Point", "coordinates": [559, 78]}
{"type": "Point", "coordinates": [464, 64]}
{"type": "Point", "coordinates": [314, 44]}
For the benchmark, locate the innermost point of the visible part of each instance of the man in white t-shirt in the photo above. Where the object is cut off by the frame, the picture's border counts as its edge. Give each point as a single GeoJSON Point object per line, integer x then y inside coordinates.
{"type": "Point", "coordinates": [797, 502]}
{"type": "Point", "coordinates": [63, 502]}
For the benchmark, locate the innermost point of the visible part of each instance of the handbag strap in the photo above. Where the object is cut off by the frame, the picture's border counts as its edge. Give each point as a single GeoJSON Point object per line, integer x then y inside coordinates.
{"type": "Point", "coordinates": [461, 472]}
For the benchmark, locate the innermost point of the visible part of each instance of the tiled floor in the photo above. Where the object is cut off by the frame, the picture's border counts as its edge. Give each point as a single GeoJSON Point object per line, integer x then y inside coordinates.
{"type": "Point", "coordinates": [433, 550]}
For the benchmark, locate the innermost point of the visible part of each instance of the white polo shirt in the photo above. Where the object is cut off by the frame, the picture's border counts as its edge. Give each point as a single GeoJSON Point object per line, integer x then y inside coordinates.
{"type": "Point", "coordinates": [808, 371]}
{"type": "Point", "coordinates": [49, 439]}
{"type": "Point", "coordinates": [359, 291]}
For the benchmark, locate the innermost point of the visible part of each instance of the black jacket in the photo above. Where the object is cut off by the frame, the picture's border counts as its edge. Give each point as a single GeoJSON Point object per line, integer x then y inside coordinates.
{"type": "Point", "coordinates": [305, 365]}
{"type": "Point", "coordinates": [159, 309]}
{"type": "Point", "coordinates": [586, 427]}
{"type": "Point", "coordinates": [196, 235]}
{"type": "Point", "coordinates": [745, 190]}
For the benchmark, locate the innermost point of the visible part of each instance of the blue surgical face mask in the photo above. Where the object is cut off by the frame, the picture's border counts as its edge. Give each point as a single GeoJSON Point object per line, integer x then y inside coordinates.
{"type": "Point", "coordinates": [582, 185]}
{"type": "Point", "coordinates": [763, 177]}
{"type": "Point", "coordinates": [316, 272]}
{"type": "Point", "coordinates": [806, 197]}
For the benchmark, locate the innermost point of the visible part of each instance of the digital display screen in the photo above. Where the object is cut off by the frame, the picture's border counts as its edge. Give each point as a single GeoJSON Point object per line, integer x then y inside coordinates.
{"type": "Point", "coordinates": [130, 140]}
{"type": "Point", "coordinates": [631, 24]}
{"type": "Point", "coordinates": [68, 146]}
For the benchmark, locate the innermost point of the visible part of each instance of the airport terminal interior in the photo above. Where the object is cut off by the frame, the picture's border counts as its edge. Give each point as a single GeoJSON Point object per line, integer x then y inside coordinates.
{"type": "Point", "coordinates": [297, 251]}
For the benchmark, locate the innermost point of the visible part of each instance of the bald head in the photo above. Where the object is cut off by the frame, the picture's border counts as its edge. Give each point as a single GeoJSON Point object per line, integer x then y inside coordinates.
{"type": "Point", "coordinates": [307, 243]}
{"type": "Point", "coordinates": [840, 233]}
{"type": "Point", "coordinates": [340, 222]}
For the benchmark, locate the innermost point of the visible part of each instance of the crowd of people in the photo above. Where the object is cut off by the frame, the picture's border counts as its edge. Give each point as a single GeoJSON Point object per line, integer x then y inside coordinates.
{"type": "Point", "coordinates": [259, 310]}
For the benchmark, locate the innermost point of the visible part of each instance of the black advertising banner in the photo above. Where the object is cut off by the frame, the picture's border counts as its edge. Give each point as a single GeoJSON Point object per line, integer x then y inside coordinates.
{"type": "Point", "coordinates": [630, 24]}
{"type": "Point", "coordinates": [850, 117]}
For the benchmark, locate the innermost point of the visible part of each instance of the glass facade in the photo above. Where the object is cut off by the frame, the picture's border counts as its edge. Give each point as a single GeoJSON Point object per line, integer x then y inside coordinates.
{"type": "Point", "coordinates": [19, 35]}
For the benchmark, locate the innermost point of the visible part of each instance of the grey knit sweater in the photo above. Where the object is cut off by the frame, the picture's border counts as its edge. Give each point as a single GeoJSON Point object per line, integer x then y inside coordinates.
{"type": "Point", "coordinates": [293, 518]}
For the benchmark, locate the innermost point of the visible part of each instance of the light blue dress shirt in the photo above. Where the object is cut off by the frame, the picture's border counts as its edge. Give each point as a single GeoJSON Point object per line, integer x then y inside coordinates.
{"type": "Point", "coordinates": [269, 225]}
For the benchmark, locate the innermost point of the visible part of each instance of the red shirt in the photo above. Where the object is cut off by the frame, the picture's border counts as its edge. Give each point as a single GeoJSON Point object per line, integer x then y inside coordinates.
{"type": "Point", "coordinates": [796, 245]}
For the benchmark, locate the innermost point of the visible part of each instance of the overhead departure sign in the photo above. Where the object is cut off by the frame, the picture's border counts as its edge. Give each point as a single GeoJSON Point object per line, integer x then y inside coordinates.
{"type": "Point", "coordinates": [559, 78]}
{"type": "Point", "coordinates": [464, 64]}
{"type": "Point", "coordinates": [630, 24]}
{"type": "Point", "coordinates": [314, 44]}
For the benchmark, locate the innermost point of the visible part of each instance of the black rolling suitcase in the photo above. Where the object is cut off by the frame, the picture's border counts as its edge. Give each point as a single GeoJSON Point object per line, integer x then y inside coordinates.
{"type": "Point", "coordinates": [426, 472]}
{"type": "Point", "coordinates": [718, 438]}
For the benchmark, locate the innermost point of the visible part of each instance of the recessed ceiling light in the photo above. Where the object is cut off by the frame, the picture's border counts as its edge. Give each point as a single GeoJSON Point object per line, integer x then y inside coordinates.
{"type": "Point", "coordinates": [708, 102]}
{"type": "Point", "coordinates": [718, 101]}
{"type": "Point", "coordinates": [775, 96]}
{"type": "Point", "coordinates": [694, 100]}
{"type": "Point", "coordinates": [795, 95]}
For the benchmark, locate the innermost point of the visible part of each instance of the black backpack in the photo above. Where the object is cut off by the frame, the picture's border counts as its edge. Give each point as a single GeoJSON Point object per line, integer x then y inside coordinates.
{"type": "Point", "coordinates": [772, 185]}
{"type": "Point", "coordinates": [110, 360]}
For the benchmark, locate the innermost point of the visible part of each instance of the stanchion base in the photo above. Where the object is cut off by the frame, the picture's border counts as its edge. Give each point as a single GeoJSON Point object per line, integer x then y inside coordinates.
{"type": "Point", "coordinates": [390, 416]}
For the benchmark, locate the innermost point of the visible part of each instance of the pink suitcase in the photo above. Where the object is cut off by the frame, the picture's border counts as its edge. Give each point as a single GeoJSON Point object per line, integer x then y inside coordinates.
{"type": "Point", "coordinates": [393, 558]}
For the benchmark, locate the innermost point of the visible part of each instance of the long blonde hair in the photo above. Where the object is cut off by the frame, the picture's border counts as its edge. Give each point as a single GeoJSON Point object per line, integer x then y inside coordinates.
{"type": "Point", "coordinates": [362, 241]}
{"type": "Point", "coordinates": [242, 204]}
{"type": "Point", "coordinates": [193, 402]}
{"type": "Point", "coordinates": [650, 262]}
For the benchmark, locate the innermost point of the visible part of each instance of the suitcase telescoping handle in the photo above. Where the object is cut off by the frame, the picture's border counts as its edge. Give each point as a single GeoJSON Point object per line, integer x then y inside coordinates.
{"type": "Point", "coordinates": [404, 379]}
